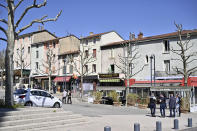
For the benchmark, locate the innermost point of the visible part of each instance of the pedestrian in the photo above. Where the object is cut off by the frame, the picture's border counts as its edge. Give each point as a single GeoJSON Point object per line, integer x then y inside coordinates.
{"type": "Point", "coordinates": [64, 97]}
{"type": "Point", "coordinates": [178, 105]}
{"type": "Point", "coordinates": [54, 89]}
{"type": "Point", "coordinates": [152, 105]}
{"type": "Point", "coordinates": [172, 105]}
{"type": "Point", "coordinates": [69, 101]}
{"type": "Point", "coordinates": [162, 101]}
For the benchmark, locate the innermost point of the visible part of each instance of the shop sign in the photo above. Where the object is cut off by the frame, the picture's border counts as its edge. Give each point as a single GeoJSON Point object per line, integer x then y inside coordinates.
{"type": "Point", "coordinates": [109, 80]}
{"type": "Point", "coordinates": [108, 75]}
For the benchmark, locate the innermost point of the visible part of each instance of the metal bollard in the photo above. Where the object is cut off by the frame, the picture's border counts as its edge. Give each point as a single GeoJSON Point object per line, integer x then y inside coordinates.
{"type": "Point", "coordinates": [158, 126]}
{"type": "Point", "coordinates": [107, 128]}
{"type": "Point", "coordinates": [189, 122]}
{"type": "Point", "coordinates": [136, 127]}
{"type": "Point", "coordinates": [176, 124]}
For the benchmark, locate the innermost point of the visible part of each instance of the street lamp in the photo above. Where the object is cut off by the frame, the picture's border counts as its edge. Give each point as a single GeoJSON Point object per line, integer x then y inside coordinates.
{"type": "Point", "coordinates": [152, 57]}
{"type": "Point", "coordinates": [64, 71]}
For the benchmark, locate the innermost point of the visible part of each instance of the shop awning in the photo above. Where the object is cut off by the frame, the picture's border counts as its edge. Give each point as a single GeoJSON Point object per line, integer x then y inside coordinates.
{"type": "Point", "coordinates": [109, 80]}
{"type": "Point", "coordinates": [62, 79]}
{"type": "Point", "coordinates": [171, 88]}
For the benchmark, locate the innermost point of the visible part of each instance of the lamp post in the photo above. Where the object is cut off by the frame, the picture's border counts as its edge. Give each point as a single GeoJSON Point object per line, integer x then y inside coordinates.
{"type": "Point", "coordinates": [152, 57]}
{"type": "Point", "coordinates": [64, 72]}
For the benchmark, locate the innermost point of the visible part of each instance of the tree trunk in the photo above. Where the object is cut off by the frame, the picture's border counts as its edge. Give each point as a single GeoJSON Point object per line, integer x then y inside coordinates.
{"type": "Point", "coordinates": [9, 99]}
{"type": "Point", "coordinates": [81, 87]}
{"type": "Point", "coordinates": [50, 83]}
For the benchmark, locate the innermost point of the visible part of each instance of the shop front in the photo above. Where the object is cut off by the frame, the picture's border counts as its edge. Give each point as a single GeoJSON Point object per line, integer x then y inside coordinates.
{"type": "Point", "coordinates": [62, 82]}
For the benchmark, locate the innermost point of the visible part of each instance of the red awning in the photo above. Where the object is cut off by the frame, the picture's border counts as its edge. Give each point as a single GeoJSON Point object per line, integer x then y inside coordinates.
{"type": "Point", "coordinates": [62, 79]}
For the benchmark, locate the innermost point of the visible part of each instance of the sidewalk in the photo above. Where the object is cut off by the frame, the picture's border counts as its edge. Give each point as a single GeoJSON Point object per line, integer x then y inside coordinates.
{"type": "Point", "coordinates": [126, 122]}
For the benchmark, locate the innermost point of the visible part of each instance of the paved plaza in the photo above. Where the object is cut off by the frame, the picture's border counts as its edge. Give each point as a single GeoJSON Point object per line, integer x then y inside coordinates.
{"type": "Point", "coordinates": [123, 118]}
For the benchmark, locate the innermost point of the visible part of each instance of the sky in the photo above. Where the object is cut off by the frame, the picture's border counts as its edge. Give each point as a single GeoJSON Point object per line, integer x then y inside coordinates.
{"type": "Point", "coordinates": [79, 17]}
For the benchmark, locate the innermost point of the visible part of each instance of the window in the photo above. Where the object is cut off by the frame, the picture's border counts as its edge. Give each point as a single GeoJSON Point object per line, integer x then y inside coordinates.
{"type": "Point", "coordinates": [37, 54]}
{"type": "Point", "coordinates": [112, 53]}
{"type": "Point", "coordinates": [94, 68]}
{"type": "Point", "coordinates": [166, 45]}
{"type": "Point", "coordinates": [16, 63]}
{"type": "Point", "coordinates": [94, 40]}
{"type": "Point", "coordinates": [86, 42]}
{"type": "Point", "coordinates": [94, 53]}
{"type": "Point", "coordinates": [86, 68]}
{"type": "Point", "coordinates": [53, 57]}
{"type": "Point", "coordinates": [112, 69]}
{"type": "Point", "coordinates": [35, 93]}
{"type": "Point", "coordinates": [54, 44]}
{"type": "Point", "coordinates": [28, 50]}
{"type": "Point", "coordinates": [71, 69]}
{"type": "Point", "coordinates": [86, 54]}
{"type": "Point", "coordinates": [167, 66]}
{"type": "Point", "coordinates": [64, 69]}
{"type": "Point", "coordinates": [37, 65]}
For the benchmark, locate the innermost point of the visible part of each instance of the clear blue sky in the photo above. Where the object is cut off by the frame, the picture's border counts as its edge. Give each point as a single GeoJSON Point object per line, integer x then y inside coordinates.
{"type": "Point", "coordinates": [79, 17]}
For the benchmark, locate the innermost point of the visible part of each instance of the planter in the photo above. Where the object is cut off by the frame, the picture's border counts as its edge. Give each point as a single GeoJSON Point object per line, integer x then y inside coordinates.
{"type": "Point", "coordinates": [141, 106]}
{"type": "Point", "coordinates": [184, 111]}
{"type": "Point", "coordinates": [116, 103]}
{"type": "Point", "coordinates": [96, 102]}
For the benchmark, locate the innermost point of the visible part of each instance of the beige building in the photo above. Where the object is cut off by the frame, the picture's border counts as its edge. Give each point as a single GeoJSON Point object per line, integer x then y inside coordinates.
{"type": "Point", "coordinates": [22, 51]}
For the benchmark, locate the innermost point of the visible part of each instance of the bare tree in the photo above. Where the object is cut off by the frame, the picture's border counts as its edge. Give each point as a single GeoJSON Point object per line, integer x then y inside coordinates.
{"type": "Point", "coordinates": [128, 62]}
{"type": "Point", "coordinates": [2, 66]}
{"type": "Point", "coordinates": [11, 33]}
{"type": "Point", "coordinates": [20, 60]}
{"type": "Point", "coordinates": [186, 56]}
{"type": "Point", "coordinates": [81, 64]}
{"type": "Point", "coordinates": [49, 66]}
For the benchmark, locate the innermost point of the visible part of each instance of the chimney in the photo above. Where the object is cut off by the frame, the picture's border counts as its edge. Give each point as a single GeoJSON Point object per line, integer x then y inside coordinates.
{"type": "Point", "coordinates": [132, 36]}
{"type": "Point", "coordinates": [91, 33]}
{"type": "Point", "coordinates": [140, 35]}
{"type": "Point", "coordinates": [42, 27]}
{"type": "Point", "coordinates": [39, 28]}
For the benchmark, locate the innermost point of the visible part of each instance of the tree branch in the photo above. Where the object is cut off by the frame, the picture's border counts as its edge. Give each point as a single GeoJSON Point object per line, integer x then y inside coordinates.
{"type": "Point", "coordinates": [4, 21]}
{"type": "Point", "coordinates": [38, 21]}
{"type": "Point", "coordinates": [3, 39]}
{"type": "Point", "coordinates": [27, 9]}
{"type": "Point", "coordinates": [18, 4]}
{"type": "Point", "coordinates": [3, 30]}
{"type": "Point", "coordinates": [3, 6]}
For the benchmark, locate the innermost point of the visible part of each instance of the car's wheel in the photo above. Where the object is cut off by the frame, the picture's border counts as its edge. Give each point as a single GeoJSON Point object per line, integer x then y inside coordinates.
{"type": "Point", "coordinates": [29, 103]}
{"type": "Point", "coordinates": [56, 105]}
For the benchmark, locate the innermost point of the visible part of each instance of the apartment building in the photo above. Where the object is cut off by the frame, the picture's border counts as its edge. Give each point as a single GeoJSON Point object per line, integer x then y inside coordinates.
{"type": "Point", "coordinates": [22, 52]}
{"type": "Point", "coordinates": [90, 45]}
{"type": "Point", "coordinates": [154, 51]}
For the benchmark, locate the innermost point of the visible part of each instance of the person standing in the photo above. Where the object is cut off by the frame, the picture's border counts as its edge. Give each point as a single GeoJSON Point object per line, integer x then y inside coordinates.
{"type": "Point", "coordinates": [69, 101]}
{"type": "Point", "coordinates": [172, 105]}
{"type": "Point", "coordinates": [152, 105]}
{"type": "Point", "coordinates": [178, 105]}
{"type": "Point", "coordinates": [162, 105]}
{"type": "Point", "coordinates": [64, 96]}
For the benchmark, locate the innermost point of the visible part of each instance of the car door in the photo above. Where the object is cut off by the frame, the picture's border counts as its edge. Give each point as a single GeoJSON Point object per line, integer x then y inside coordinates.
{"type": "Point", "coordinates": [47, 99]}
{"type": "Point", "coordinates": [36, 98]}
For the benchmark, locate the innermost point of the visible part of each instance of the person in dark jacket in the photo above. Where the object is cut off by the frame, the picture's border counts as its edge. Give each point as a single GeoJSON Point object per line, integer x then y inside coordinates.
{"type": "Point", "coordinates": [69, 101]}
{"type": "Point", "coordinates": [152, 105]}
{"type": "Point", "coordinates": [172, 105]}
{"type": "Point", "coordinates": [162, 105]}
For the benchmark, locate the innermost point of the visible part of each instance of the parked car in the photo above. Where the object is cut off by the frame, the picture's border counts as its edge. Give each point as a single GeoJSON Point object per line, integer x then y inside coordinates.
{"type": "Point", "coordinates": [36, 97]}
{"type": "Point", "coordinates": [19, 93]}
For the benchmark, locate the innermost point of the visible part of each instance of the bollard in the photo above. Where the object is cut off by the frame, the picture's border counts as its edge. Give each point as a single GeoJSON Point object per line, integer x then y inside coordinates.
{"type": "Point", "coordinates": [158, 126]}
{"type": "Point", "coordinates": [136, 127]}
{"type": "Point", "coordinates": [176, 124]}
{"type": "Point", "coordinates": [107, 128]}
{"type": "Point", "coordinates": [189, 122]}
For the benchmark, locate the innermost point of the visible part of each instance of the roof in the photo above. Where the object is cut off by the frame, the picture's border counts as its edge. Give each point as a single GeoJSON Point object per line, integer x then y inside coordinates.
{"type": "Point", "coordinates": [98, 35]}
{"type": "Point", "coordinates": [156, 37]}
{"type": "Point", "coordinates": [28, 34]}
